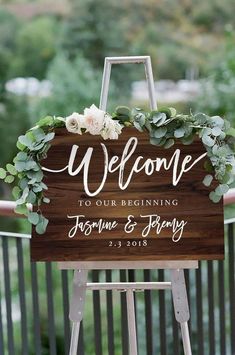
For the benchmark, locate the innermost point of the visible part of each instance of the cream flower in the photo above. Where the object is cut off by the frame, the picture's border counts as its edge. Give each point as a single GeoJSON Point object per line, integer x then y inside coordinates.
{"type": "Point", "coordinates": [74, 123]}
{"type": "Point", "coordinates": [111, 128]}
{"type": "Point", "coordinates": [94, 119]}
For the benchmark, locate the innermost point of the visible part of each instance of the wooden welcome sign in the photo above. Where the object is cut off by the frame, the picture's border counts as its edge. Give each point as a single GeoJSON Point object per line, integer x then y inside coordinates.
{"type": "Point", "coordinates": [126, 199]}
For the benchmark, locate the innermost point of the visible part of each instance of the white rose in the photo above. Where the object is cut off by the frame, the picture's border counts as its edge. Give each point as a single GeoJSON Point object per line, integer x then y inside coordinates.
{"type": "Point", "coordinates": [111, 128]}
{"type": "Point", "coordinates": [74, 123]}
{"type": "Point", "coordinates": [94, 119]}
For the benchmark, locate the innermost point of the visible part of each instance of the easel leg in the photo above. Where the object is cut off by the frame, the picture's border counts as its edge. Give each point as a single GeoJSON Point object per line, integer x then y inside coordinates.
{"type": "Point", "coordinates": [77, 307]}
{"type": "Point", "coordinates": [186, 338]}
{"type": "Point", "coordinates": [181, 308]}
{"type": "Point", "coordinates": [131, 322]}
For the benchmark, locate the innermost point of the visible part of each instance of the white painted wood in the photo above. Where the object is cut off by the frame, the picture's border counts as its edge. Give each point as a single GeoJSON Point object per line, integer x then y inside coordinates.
{"type": "Point", "coordinates": [122, 286]}
{"type": "Point", "coordinates": [181, 308]}
{"type": "Point", "coordinates": [136, 265]}
{"type": "Point", "coordinates": [77, 304]}
{"type": "Point", "coordinates": [74, 338]}
{"type": "Point", "coordinates": [179, 293]}
{"type": "Point", "coordinates": [131, 322]}
{"type": "Point", "coordinates": [78, 295]}
{"type": "Point", "coordinates": [186, 338]}
{"type": "Point", "coordinates": [121, 60]}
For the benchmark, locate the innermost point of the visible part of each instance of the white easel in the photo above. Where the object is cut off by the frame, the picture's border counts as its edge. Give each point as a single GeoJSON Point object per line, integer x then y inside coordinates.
{"type": "Point", "coordinates": [177, 283]}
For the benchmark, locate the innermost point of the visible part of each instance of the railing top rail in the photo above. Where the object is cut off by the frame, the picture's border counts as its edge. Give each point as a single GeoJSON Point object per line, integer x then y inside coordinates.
{"type": "Point", "coordinates": [7, 209]}
{"type": "Point", "coordinates": [229, 197]}
{"type": "Point", "coordinates": [14, 235]}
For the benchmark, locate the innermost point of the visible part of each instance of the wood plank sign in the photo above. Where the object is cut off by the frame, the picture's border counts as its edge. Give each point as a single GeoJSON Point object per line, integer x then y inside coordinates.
{"type": "Point", "coordinates": [127, 200]}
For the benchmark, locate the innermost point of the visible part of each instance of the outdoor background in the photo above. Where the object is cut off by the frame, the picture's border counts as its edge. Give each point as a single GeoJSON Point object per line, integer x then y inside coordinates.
{"type": "Point", "coordinates": [51, 62]}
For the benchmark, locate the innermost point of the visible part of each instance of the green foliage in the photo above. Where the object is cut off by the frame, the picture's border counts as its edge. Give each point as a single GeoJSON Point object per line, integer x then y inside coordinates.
{"type": "Point", "coordinates": [92, 32]}
{"type": "Point", "coordinates": [75, 85]}
{"type": "Point", "coordinates": [8, 31]}
{"type": "Point", "coordinates": [218, 94]}
{"type": "Point", "coordinates": [36, 45]}
{"type": "Point", "coordinates": [165, 126]}
{"type": "Point", "coordinates": [33, 147]}
{"type": "Point", "coordinates": [14, 120]}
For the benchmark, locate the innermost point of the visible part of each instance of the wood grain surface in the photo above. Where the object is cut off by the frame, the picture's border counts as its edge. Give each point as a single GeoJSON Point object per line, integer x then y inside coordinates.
{"type": "Point", "coordinates": [202, 236]}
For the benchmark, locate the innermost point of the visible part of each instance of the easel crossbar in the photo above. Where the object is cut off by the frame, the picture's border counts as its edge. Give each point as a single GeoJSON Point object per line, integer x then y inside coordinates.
{"type": "Point", "coordinates": [134, 286]}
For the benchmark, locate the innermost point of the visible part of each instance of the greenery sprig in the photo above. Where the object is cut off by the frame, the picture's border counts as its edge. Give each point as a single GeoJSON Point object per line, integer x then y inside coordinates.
{"type": "Point", "coordinates": [165, 127]}
{"type": "Point", "coordinates": [26, 171]}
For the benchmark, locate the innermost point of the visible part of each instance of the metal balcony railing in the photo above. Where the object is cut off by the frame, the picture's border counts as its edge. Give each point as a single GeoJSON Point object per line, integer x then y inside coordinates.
{"type": "Point", "coordinates": [34, 305]}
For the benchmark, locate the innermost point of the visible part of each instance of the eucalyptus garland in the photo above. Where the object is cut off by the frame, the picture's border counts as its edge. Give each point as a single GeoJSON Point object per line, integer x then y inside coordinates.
{"type": "Point", "coordinates": [165, 127]}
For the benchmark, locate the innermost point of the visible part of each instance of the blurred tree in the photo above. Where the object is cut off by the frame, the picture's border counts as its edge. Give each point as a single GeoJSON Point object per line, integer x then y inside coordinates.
{"type": "Point", "coordinates": [170, 32]}
{"type": "Point", "coordinates": [36, 46]}
{"type": "Point", "coordinates": [14, 117]}
{"type": "Point", "coordinates": [8, 29]}
{"type": "Point", "coordinates": [75, 86]}
{"type": "Point", "coordinates": [97, 29]}
{"type": "Point", "coordinates": [218, 90]}
{"type": "Point", "coordinates": [213, 15]}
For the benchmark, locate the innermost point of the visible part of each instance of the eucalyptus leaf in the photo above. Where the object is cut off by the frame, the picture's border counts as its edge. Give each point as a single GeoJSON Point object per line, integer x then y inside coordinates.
{"type": "Point", "coordinates": [169, 143]}
{"type": "Point", "coordinates": [173, 111]}
{"type": "Point", "coordinates": [221, 151]}
{"type": "Point", "coordinates": [38, 134]}
{"type": "Point", "coordinates": [231, 132]}
{"type": "Point", "coordinates": [21, 156]}
{"type": "Point", "coordinates": [44, 186]}
{"type": "Point", "coordinates": [11, 169]}
{"type": "Point", "coordinates": [20, 166]}
{"type": "Point", "coordinates": [160, 132]}
{"type": "Point", "coordinates": [123, 111]}
{"type": "Point", "coordinates": [158, 118]}
{"type": "Point", "coordinates": [214, 197]}
{"type": "Point", "coordinates": [46, 200]}
{"type": "Point", "coordinates": [154, 141]}
{"type": "Point", "coordinates": [187, 140]}
{"type": "Point", "coordinates": [37, 146]}
{"type": "Point", "coordinates": [29, 134]}
{"type": "Point", "coordinates": [3, 173]}
{"type": "Point", "coordinates": [42, 225]}
{"type": "Point", "coordinates": [9, 179]}
{"type": "Point", "coordinates": [16, 191]}
{"type": "Point", "coordinates": [206, 131]}
{"type": "Point", "coordinates": [30, 164]}
{"type": "Point", "coordinates": [207, 180]}
{"type": "Point", "coordinates": [167, 110]}
{"type": "Point", "coordinates": [31, 198]}
{"type": "Point", "coordinates": [37, 188]}
{"type": "Point", "coordinates": [25, 141]}
{"type": "Point", "coordinates": [46, 121]}
{"type": "Point", "coordinates": [21, 209]}
{"type": "Point", "coordinates": [23, 197]}
{"type": "Point", "coordinates": [201, 118]}
{"type": "Point", "coordinates": [49, 137]}
{"type": "Point", "coordinates": [217, 121]}
{"type": "Point", "coordinates": [222, 189]}
{"type": "Point", "coordinates": [33, 218]}
{"type": "Point", "coordinates": [20, 146]}
{"type": "Point", "coordinates": [23, 183]}
{"type": "Point", "coordinates": [207, 140]}
{"type": "Point", "coordinates": [216, 131]}
{"type": "Point", "coordinates": [222, 135]}
{"type": "Point", "coordinates": [179, 132]}
{"type": "Point", "coordinates": [138, 126]}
